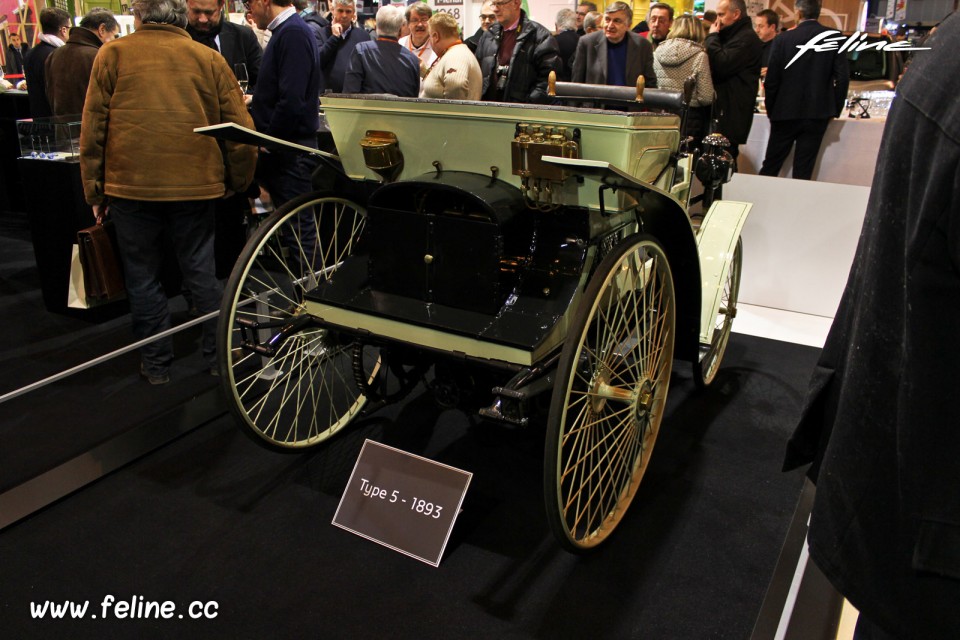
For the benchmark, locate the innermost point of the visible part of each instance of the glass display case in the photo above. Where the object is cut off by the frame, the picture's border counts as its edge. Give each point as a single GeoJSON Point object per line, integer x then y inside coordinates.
{"type": "Point", "coordinates": [53, 138]}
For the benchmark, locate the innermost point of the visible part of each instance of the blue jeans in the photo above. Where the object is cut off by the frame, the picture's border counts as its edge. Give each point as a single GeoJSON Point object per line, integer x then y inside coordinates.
{"type": "Point", "coordinates": [141, 227]}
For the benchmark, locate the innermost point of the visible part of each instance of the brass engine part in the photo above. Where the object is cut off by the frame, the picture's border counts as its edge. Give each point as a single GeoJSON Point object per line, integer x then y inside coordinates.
{"type": "Point", "coordinates": [539, 180]}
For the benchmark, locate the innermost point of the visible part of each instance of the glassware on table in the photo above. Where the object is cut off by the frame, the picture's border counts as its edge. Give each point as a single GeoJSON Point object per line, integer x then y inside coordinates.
{"type": "Point", "coordinates": [240, 71]}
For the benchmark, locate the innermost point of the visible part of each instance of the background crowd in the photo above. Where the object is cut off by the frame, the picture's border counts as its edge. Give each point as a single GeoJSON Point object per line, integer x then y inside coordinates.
{"type": "Point", "coordinates": [141, 160]}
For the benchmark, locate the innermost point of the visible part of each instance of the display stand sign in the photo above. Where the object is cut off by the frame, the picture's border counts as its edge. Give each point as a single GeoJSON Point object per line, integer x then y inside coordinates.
{"type": "Point", "coordinates": [453, 7]}
{"type": "Point", "coordinates": [402, 501]}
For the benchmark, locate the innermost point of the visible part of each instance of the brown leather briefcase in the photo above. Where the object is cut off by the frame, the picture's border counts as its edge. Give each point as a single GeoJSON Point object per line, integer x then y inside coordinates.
{"type": "Point", "coordinates": [102, 271]}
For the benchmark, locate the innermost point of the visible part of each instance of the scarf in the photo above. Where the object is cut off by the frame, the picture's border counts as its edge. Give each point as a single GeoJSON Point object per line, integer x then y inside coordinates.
{"type": "Point", "coordinates": [208, 38]}
{"type": "Point", "coordinates": [51, 40]}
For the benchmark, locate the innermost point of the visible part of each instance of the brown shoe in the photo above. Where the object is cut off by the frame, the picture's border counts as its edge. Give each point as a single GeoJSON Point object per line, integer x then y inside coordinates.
{"type": "Point", "coordinates": [160, 379]}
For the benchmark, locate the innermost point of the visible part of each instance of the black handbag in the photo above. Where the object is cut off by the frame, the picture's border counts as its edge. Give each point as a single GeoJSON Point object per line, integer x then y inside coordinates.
{"type": "Point", "coordinates": [99, 258]}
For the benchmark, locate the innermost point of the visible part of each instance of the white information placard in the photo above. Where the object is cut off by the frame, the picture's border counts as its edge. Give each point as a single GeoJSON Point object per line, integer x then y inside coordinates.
{"type": "Point", "coordinates": [403, 501]}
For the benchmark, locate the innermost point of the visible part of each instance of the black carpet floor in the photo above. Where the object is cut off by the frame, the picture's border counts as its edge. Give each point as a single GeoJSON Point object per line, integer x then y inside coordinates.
{"type": "Point", "coordinates": [47, 427]}
{"type": "Point", "coordinates": [214, 517]}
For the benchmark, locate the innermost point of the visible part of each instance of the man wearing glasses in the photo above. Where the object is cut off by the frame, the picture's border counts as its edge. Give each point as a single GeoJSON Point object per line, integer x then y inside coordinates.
{"type": "Point", "coordinates": [418, 41]}
{"type": "Point", "coordinates": [55, 27]}
{"type": "Point", "coordinates": [582, 10]}
{"type": "Point", "coordinates": [486, 20]}
{"type": "Point", "coordinates": [516, 56]}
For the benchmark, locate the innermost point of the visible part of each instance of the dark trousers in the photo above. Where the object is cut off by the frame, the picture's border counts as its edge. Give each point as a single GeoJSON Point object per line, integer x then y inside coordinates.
{"type": "Point", "coordinates": [231, 232]}
{"type": "Point", "coordinates": [141, 227]}
{"type": "Point", "coordinates": [287, 176]}
{"type": "Point", "coordinates": [807, 134]}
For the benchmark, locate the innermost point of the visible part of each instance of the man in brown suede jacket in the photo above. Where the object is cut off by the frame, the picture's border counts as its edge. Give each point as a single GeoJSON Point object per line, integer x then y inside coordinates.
{"type": "Point", "coordinates": [138, 148]}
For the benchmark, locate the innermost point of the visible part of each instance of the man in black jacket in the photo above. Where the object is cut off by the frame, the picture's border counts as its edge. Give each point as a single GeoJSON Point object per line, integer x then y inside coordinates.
{"type": "Point", "coordinates": [582, 10]}
{"type": "Point", "coordinates": [516, 56]}
{"type": "Point", "coordinates": [487, 19]}
{"type": "Point", "coordinates": [802, 99]}
{"type": "Point", "coordinates": [55, 25]}
{"type": "Point", "coordinates": [207, 24]}
{"type": "Point", "coordinates": [734, 51]}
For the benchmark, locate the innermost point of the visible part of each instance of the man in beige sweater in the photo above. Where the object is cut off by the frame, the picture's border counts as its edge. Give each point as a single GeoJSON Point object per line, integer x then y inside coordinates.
{"type": "Point", "coordinates": [455, 75]}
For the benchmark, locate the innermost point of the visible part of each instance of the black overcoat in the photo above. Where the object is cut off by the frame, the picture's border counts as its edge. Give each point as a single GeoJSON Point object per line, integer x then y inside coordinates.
{"type": "Point", "coordinates": [734, 55]}
{"type": "Point", "coordinates": [882, 420]}
{"type": "Point", "coordinates": [534, 57]}
{"type": "Point", "coordinates": [814, 86]}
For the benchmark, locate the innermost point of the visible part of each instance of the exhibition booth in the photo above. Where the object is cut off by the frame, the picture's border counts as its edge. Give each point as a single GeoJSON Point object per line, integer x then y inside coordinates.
{"type": "Point", "coordinates": [702, 552]}
{"type": "Point", "coordinates": [141, 499]}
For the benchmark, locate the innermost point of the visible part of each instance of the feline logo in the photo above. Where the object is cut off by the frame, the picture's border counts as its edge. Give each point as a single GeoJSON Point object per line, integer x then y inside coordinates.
{"type": "Point", "coordinates": [830, 41]}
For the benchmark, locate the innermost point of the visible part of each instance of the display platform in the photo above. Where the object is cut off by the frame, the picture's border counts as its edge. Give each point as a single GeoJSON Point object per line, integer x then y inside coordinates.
{"type": "Point", "coordinates": [799, 241]}
{"type": "Point", "coordinates": [214, 518]}
{"type": "Point", "coordinates": [848, 153]}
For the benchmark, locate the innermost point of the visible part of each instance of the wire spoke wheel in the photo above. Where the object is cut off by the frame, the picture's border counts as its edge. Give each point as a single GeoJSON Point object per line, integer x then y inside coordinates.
{"type": "Point", "coordinates": [612, 382]}
{"type": "Point", "coordinates": [705, 370]}
{"type": "Point", "coordinates": [288, 379]}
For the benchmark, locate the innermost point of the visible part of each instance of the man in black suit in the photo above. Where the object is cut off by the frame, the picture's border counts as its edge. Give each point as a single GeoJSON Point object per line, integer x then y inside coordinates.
{"type": "Point", "coordinates": [801, 99]}
{"type": "Point", "coordinates": [55, 25]}
{"type": "Point", "coordinates": [207, 24]}
{"type": "Point", "coordinates": [616, 55]}
{"type": "Point", "coordinates": [16, 51]}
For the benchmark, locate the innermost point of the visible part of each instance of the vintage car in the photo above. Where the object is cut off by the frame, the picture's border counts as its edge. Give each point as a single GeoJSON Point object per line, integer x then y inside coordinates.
{"type": "Point", "coordinates": [526, 250]}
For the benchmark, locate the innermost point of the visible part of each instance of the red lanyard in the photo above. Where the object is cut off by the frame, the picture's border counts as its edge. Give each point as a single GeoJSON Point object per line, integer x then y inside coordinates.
{"type": "Point", "coordinates": [419, 50]}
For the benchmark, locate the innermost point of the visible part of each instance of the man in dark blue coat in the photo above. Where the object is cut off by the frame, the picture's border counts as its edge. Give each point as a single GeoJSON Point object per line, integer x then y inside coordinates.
{"type": "Point", "coordinates": [803, 97]}
{"type": "Point", "coordinates": [340, 38]}
{"type": "Point", "coordinates": [382, 65]}
{"type": "Point", "coordinates": [287, 99]}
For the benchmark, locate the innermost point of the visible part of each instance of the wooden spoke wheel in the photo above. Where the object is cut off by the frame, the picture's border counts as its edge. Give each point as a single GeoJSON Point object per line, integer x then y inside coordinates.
{"type": "Point", "coordinates": [705, 370]}
{"type": "Point", "coordinates": [289, 381]}
{"type": "Point", "coordinates": [608, 401]}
